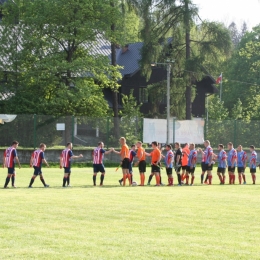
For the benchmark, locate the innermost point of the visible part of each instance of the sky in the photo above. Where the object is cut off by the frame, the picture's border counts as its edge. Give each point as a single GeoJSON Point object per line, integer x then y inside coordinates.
{"type": "Point", "coordinates": [227, 11]}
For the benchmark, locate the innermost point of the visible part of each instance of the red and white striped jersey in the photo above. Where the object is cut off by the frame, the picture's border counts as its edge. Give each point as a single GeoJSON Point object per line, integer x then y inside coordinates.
{"type": "Point", "coordinates": [98, 155]}
{"type": "Point", "coordinates": [9, 155]}
{"type": "Point", "coordinates": [38, 155]}
{"type": "Point", "coordinates": [65, 157]}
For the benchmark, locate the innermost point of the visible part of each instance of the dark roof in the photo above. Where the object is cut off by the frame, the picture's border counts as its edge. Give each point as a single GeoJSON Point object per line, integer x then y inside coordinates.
{"type": "Point", "coordinates": [2, 1]}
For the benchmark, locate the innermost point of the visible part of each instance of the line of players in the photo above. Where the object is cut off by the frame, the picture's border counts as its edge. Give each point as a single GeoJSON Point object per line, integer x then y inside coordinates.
{"type": "Point", "coordinates": [181, 159]}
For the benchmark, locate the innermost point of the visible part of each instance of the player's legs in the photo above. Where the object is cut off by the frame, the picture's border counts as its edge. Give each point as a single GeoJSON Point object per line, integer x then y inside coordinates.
{"type": "Point", "coordinates": [219, 173]}
{"type": "Point", "coordinates": [192, 176]}
{"type": "Point", "coordinates": [10, 173]}
{"type": "Point", "coordinates": [253, 174]}
{"type": "Point", "coordinates": [43, 181]}
{"type": "Point", "coordinates": [150, 178]}
{"type": "Point", "coordinates": [66, 175]}
{"type": "Point", "coordinates": [102, 177]}
{"type": "Point", "coordinates": [202, 172]}
{"type": "Point", "coordinates": [183, 175]}
{"type": "Point", "coordinates": [158, 180]}
{"type": "Point", "coordinates": [13, 180]}
{"type": "Point", "coordinates": [35, 174]}
{"type": "Point", "coordinates": [178, 172]}
{"type": "Point", "coordinates": [170, 176]}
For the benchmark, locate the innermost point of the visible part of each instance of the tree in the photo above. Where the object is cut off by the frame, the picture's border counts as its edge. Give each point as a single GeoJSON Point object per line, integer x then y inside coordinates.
{"type": "Point", "coordinates": [196, 48]}
{"type": "Point", "coordinates": [55, 69]}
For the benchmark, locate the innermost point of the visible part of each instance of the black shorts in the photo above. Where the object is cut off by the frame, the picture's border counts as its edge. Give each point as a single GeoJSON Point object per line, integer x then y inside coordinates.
{"type": "Point", "coordinates": [67, 170]}
{"type": "Point", "coordinates": [189, 170]}
{"type": "Point", "coordinates": [125, 163]}
{"type": "Point", "coordinates": [203, 166]}
{"type": "Point", "coordinates": [98, 168]}
{"type": "Point", "coordinates": [208, 168]}
{"type": "Point", "coordinates": [142, 166]}
{"type": "Point", "coordinates": [37, 170]}
{"type": "Point", "coordinates": [240, 169]}
{"type": "Point", "coordinates": [252, 170]}
{"type": "Point", "coordinates": [11, 170]}
{"type": "Point", "coordinates": [184, 168]}
{"type": "Point", "coordinates": [169, 171]}
{"type": "Point", "coordinates": [156, 168]}
{"type": "Point", "coordinates": [178, 169]}
{"type": "Point", "coordinates": [231, 169]}
{"type": "Point", "coordinates": [221, 170]}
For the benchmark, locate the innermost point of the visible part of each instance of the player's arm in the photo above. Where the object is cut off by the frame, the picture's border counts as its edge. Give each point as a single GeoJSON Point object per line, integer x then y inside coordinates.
{"type": "Point", "coordinates": [116, 152]}
{"type": "Point", "coordinates": [4, 161]}
{"type": "Point", "coordinates": [76, 156]}
{"type": "Point", "coordinates": [44, 160]}
{"type": "Point", "coordinates": [233, 161]}
{"type": "Point", "coordinates": [148, 154]}
{"type": "Point", "coordinates": [211, 159]}
{"type": "Point", "coordinates": [108, 152]}
{"type": "Point", "coordinates": [31, 161]}
{"type": "Point", "coordinates": [61, 161]}
{"type": "Point", "coordinates": [17, 160]}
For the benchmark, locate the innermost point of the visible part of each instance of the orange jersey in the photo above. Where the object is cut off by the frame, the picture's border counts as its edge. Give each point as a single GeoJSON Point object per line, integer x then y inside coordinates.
{"type": "Point", "coordinates": [141, 154]}
{"type": "Point", "coordinates": [156, 156]}
{"type": "Point", "coordinates": [185, 156]}
{"type": "Point", "coordinates": [124, 151]}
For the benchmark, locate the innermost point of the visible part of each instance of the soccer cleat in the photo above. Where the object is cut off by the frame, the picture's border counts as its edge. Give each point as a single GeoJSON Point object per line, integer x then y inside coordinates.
{"type": "Point", "coordinates": [191, 184]}
{"type": "Point", "coordinates": [179, 185]}
{"type": "Point", "coordinates": [29, 187]}
{"type": "Point", "coordinates": [120, 182]}
{"type": "Point", "coordinates": [100, 184]}
{"type": "Point", "coordinates": [46, 185]}
{"type": "Point", "coordinates": [161, 184]}
{"type": "Point", "coordinates": [14, 186]}
{"type": "Point", "coordinates": [157, 185]}
{"type": "Point", "coordinates": [148, 184]}
{"type": "Point", "coordinates": [244, 182]}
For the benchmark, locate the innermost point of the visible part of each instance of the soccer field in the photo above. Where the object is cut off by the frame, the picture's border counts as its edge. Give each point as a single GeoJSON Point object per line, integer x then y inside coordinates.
{"type": "Point", "coordinates": [113, 222]}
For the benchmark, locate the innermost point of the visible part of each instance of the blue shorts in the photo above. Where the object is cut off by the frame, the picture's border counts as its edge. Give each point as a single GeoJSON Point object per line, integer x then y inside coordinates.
{"type": "Point", "coordinates": [98, 168]}
{"type": "Point", "coordinates": [67, 170]}
{"type": "Point", "coordinates": [11, 170]}
{"type": "Point", "coordinates": [37, 170]}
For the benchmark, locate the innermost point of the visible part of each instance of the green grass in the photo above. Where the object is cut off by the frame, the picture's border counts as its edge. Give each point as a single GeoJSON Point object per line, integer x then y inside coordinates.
{"type": "Point", "coordinates": [113, 222]}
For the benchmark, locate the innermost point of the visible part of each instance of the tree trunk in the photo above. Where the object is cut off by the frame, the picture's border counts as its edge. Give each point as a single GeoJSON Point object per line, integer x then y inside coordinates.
{"type": "Point", "coordinates": [187, 41]}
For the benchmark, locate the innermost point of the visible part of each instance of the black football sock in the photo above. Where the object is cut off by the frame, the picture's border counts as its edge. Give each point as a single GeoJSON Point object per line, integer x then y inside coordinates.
{"type": "Point", "coordinates": [64, 181]}
{"type": "Point", "coordinates": [131, 178]}
{"type": "Point", "coordinates": [7, 181]}
{"type": "Point", "coordinates": [179, 178]}
{"type": "Point", "coordinates": [13, 179]}
{"type": "Point", "coordinates": [160, 179]}
{"type": "Point", "coordinates": [43, 182]}
{"type": "Point", "coordinates": [94, 179]}
{"type": "Point", "coordinates": [31, 182]}
{"type": "Point", "coordinates": [150, 178]}
{"type": "Point", "coordinates": [68, 179]}
{"type": "Point", "coordinates": [207, 177]}
{"type": "Point", "coordinates": [102, 178]}
{"type": "Point", "coordinates": [121, 180]}
{"type": "Point", "coordinates": [201, 178]}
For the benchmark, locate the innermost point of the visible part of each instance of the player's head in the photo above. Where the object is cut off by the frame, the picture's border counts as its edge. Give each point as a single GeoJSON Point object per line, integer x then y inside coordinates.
{"type": "Point", "coordinates": [220, 147]}
{"type": "Point", "coordinates": [154, 144]}
{"type": "Point", "coordinates": [252, 148]}
{"type": "Point", "coordinates": [240, 148]}
{"type": "Point", "coordinates": [230, 146]}
{"type": "Point", "coordinates": [168, 147]}
{"type": "Point", "coordinates": [139, 144]}
{"type": "Point", "coordinates": [133, 147]}
{"type": "Point", "coordinates": [15, 144]}
{"type": "Point", "coordinates": [206, 143]}
{"type": "Point", "coordinates": [186, 145]}
{"type": "Point", "coordinates": [100, 144]}
{"type": "Point", "coordinates": [192, 146]}
{"type": "Point", "coordinates": [42, 146]}
{"type": "Point", "coordinates": [69, 145]}
{"type": "Point", "coordinates": [177, 145]}
{"type": "Point", "coordinates": [122, 141]}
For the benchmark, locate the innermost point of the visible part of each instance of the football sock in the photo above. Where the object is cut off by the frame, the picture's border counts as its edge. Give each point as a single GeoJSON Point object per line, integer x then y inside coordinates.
{"type": "Point", "coordinates": [207, 177]}
{"type": "Point", "coordinates": [224, 178]}
{"type": "Point", "coordinates": [31, 182]}
{"type": "Point", "coordinates": [230, 178]}
{"type": "Point", "coordinates": [94, 179]}
{"type": "Point", "coordinates": [68, 179]}
{"type": "Point", "coordinates": [171, 179]}
{"type": "Point", "coordinates": [234, 179]}
{"type": "Point", "coordinates": [201, 178]}
{"type": "Point", "coordinates": [7, 181]}
{"type": "Point", "coordinates": [192, 179]}
{"type": "Point", "coordinates": [210, 179]}
{"type": "Point", "coordinates": [240, 179]}
{"type": "Point", "coordinates": [157, 179]}
{"type": "Point", "coordinates": [13, 179]}
{"type": "Point", "coordinates": [150, 178]}
{"type": "Point", "coordinates": [102, 179]}
{"type": "Point", "coordinates": [183, 176]}
{"type": "Point", "coordinates": [160, 178]}
{"type": "Point", "coordinates": [253, 178]}
{"type": "Point", "coordinates": [43, 181]}
{"type": "Point", "coordinates": [64, 181]}
{"type": "Point", "coordinates": [129, 178]}
{"type": "Point", "coordinates": [143, 179]}
{"type": "Point", "coordinates": [220, 178]}
{"type": "Point", "coordinates": [179, 178]}
{"type": "Point", "coordinates": [244, 177]}
{"type": "Point", "coordinates": [124, 179]}
{"type": "Point", "coordinates": [187, 179]}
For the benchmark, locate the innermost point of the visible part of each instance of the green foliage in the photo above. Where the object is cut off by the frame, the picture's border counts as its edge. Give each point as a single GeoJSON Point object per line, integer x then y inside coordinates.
{"type": "Point", "coordinates": [217, 110]}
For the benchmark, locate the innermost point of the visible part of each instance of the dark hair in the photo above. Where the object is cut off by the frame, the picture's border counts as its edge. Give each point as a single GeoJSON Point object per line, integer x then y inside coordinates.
{"type": "Point", "coordinates": [155, 143]}
{"type": "Point", "coordinates": [69, 143]}
{"type": "Point", "coordinates": [99, 143]}
{"type": "Point", "coordinates": [42, 145]}
{"type": "Point", "coordinates": [133, 145]}
{"type": "Point", "coordinates": [15, 142]}
{"type": "Point", "coordinates": [177, 144]}
{"type": "Point", "coordinates": [252, 147]}
{"type": "Point", "coordinates": [169, 146]}
{"type": "Point", "coordinates": [230, 143]}
{"type": "Point", "coordinates": [221, 146]}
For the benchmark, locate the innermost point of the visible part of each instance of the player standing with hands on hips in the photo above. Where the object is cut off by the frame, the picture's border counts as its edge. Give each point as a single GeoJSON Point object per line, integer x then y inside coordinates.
{"type": "Point", "coordinates": [9, 158]}
{"type": "Point", "coordinates": [65, 162]}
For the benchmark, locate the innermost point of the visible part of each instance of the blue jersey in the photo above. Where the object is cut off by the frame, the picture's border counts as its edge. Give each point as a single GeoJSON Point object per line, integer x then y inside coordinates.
{"type": "Point", "coordinates": [253, 159]}
{"type": "Point", "coordinates": [222, 157]}
{"type": "Point", "coordinates": [232, 157]}
{"type": "Point", "coordinates": [192, 158]}
{"type": "Point", "coordinates": [208, 155]}
{"type": "Point", "coordinates": [169, 159]}
{"type": "Point", "coordinates": [132, 155]}
{"type": "Point", "coordinates": [241, 158]}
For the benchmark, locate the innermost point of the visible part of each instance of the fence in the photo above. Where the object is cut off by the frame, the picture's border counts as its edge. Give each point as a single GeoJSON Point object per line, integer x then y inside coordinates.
{"type": "Point", "coordinates": [30, 130]}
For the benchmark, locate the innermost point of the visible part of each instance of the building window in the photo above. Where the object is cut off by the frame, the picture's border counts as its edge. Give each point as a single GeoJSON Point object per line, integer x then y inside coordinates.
{"type": "Point", "coordinates": [143, 95]}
